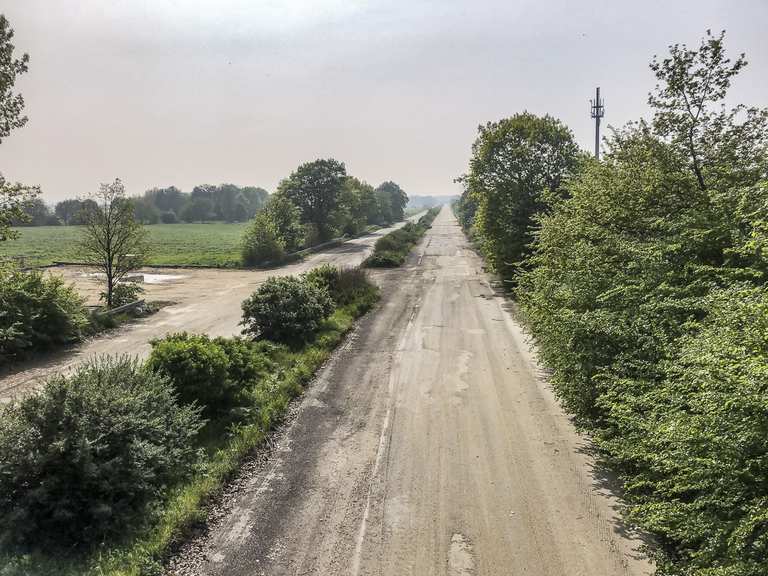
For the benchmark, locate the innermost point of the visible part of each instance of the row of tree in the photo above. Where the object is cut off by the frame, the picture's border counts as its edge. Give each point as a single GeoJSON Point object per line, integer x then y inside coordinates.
{"type": "Point", "coordinates": [644, 279]}
{"type": "Point", "coordinates": [317, 202]}
{"type": "Point", "coordinates": [226, 202]}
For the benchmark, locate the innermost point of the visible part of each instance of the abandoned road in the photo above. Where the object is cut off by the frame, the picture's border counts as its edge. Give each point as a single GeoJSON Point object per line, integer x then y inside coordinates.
{"type": "Point", "coordinates": [429, 445]}
{"type": "Point", "coordinates": [207, 301]}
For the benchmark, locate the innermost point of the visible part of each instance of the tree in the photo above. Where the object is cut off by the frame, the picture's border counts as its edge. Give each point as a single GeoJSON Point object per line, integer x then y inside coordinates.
{"type": "Point", "coordinates": [13, 196]}
{"type": "Point", "coordinates": [37, 213]}
{"type": "Point", "coordinates": [11, 105]}
{"type": "Point", "coordinates": [67, 210]}
{"type": "Point", "coordinates": [286, 217]}
{"type": "Point", "coordinates": [396, 198]}
{"type": "Point", "coordinates": [315, 187]}
{"type": "Point", "coordinates": [113, 241]}
{"type": "Point", "coordinates": [724, 147]}
{"type": "Point", "coordinates": [198, 209]}
{"type": "Point", "coordinates": [145, 212]}
{"type": "Point", "coordinates": [518, 164]}
{"type": "Point", "coordinates": [167, 199]}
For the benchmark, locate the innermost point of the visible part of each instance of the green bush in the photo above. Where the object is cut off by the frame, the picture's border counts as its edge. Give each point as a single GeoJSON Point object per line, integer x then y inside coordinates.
{"type": "Point", "coordinates": [697, 463]}
{"type": "Point", "coordinates": [345, 285]}
{"type": "Point", "coordinates": [124, 293]}
{"type": "Point", "coordinates": [247, 362]}
{"type": "Point", "coordinates": [198, 368]}
{"type": "Point", "coordinates": [82, 459]}
{"type": "Point", "coordinates": [38, 312]}
{"type": "Point", "coordinates": [262, 242]}
{"type": "Point", "coordinates": [286, 309]}
{"type": "Point", "coordinates": [392, 250]}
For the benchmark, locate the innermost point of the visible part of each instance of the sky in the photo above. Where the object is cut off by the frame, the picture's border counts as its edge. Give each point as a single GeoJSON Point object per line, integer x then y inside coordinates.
{"type": "Point", "coordinates": [186, 92]}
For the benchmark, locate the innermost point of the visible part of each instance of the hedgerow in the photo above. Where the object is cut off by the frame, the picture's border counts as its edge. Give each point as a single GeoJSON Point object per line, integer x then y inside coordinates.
{"type": "Point", "coordinates": [392, 249]}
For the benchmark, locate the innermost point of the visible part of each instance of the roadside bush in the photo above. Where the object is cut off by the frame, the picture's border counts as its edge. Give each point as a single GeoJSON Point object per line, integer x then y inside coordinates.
{"type": "Point", "coordinates": [197, 367]}
{"type": "Point", "coordinates": [392, 250]}
{"type": "Point", "coordinates": [123, 293]}
{"type": "Point", "coordinates": [38, 312]}
{"type": "Point", "coordinates": [262, 242]}
{"type": "Point", "coordinates": [82, 459]}
{"type": "Point", "coordinates": [286, 309]}
{"type": "Point", "coordinates": [697, 463]}
{"type": "Point", "coordinates": [345, 285]}
{"type": "Point", "coordinates": [247, 362]}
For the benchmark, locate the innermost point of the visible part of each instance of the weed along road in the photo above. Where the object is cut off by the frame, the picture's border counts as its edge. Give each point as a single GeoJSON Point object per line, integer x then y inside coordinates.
{"type": "Point", "coordinates": [207, 301]}
{"type": "Point", "coordinates": [429, 445]}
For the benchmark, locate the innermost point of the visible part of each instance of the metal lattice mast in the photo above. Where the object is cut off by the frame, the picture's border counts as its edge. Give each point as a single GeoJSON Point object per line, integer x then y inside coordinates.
{"type": "Point", "coordinates": [598, 111]}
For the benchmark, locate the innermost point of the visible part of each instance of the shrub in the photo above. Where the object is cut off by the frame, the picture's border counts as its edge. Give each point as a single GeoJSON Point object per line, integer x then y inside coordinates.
{"type": "Point", "coordinates": [84, 457]}
{"type": "Point", "coordinates": [392, 250]}
{"type": "Point", "coordinates": [37, 312]}
{"type": "Point", "coordinates": [198, 369]}
{"type": "Point", "coordinates": [345, 285]}
{"type": "Point", "coordinates": [385, 260]}
{"type": "Point", "coordinates": [124, 293]}
{"type": "Point", "coordinates": [286, 309]}
{"type": "Point", "coordinates": [247, 362]}
{"type": "Point", "coordinates": [262, 242]}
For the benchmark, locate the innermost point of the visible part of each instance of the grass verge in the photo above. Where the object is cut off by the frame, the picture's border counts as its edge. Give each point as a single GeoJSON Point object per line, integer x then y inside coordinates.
{"type": "Point", "coordinates": [390, 251]}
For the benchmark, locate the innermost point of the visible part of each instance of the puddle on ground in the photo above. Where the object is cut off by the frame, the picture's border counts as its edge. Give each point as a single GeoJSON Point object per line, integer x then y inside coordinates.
{"type": "Point", "coordinates": [146, 278]}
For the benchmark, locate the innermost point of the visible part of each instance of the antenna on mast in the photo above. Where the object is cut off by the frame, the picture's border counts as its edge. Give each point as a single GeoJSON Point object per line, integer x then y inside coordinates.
{"type": "Point", "coordinates": [598, 111]}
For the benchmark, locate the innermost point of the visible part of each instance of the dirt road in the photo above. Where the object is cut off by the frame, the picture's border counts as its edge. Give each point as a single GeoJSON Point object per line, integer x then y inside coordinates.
{"type": "Point", "coordinates": [207, 301]}
{"type": "Point", "coordinates": [429, 445]}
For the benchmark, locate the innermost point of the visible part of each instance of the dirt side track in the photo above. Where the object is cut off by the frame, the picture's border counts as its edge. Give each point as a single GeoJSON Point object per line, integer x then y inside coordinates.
{"type": "Point", "coordinates": [429, 445]}
{"type": "Point", "coordinates": [207, 301]}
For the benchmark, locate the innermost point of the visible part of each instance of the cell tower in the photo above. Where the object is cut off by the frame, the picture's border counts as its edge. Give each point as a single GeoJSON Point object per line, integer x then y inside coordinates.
{"type": "Point", "coordinates": [598, 111]}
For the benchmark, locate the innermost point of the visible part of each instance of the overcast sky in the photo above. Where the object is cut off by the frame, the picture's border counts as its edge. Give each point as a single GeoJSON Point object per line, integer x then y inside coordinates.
{"type": "Point", "coordinates": [184, 92]}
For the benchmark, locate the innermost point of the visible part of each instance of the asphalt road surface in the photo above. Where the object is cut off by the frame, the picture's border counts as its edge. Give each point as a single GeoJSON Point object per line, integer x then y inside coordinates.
{"type": "Point", "coordinates": [429, 445]}
{"type": "Point", "coordinates": [207, 301]}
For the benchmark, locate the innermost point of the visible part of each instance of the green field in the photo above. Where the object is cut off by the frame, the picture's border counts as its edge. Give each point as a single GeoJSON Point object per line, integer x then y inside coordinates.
{"type": "Point", "coordinates": [215, 244]}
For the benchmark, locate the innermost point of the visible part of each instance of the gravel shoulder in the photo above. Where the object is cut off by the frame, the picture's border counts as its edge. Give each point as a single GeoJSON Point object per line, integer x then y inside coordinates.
{"type": "Point", "coordinates": [430, 444]}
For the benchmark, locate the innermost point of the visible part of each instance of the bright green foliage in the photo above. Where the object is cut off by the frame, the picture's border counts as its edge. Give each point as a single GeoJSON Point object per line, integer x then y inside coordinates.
{"type": "Point", "coordinates": [345, 285]}
{"type": "Point", "coordinates": [517, 167]}
{"type": "Point", "coordinates": [647, 296]}
{"type": "Point", "coordinates": [38, 312]}
{"type": "Point", "coordinates": [262, 242]}
{"type": "Point", "coordinates": [124, 293]}
{"type": "Point", "coordinates": [81, 460]}
{"type": "Point", "coordinates": [198, 368]}
{"type": "Point", "coordinates": [696, 464]}
{"type": "Point", "coordinates": [286, 309]}
{"type": "Point", "coordinates": [11, 105]}
{"type": "Point", "coordinates": [315, 188]}
{"type": "Point", "coordinates": [391, 250]}
{"type": "Point", "coordinates": [392, 200]}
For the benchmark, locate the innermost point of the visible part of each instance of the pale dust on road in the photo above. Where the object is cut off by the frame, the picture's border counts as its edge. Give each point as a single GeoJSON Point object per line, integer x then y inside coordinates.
{"type": "Point", "coordinates": [207, 301]}
{"type": "Point", "coordinates": [429, 445]}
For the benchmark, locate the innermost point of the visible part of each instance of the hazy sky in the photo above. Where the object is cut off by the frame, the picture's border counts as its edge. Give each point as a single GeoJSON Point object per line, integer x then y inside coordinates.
{"type": "Point", "coordinates": [184, 92]}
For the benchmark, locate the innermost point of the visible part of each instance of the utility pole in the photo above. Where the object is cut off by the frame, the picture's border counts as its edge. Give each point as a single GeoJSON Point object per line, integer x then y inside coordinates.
{"type": "Point", "coordinates": [598, 111]}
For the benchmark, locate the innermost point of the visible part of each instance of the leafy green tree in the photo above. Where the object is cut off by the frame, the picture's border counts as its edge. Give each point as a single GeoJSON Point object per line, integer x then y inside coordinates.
{"type": "Point", "coordinates": [144, 211]}
{"type": "Point", "coordinates": [113, 241]}
{"type": "Point", "coordinates": [262, 242]}
{"type": "Point", "coordinates": [11, 104]}
{"type": "Point", "coordinates": [14, 197]}
{"type": "Point", "coordinates": [315, 188]}
{"type": "Point", "coordinates": [198, 209]}
{"type": "Point", "coordinates": [518, 165]}
{"type": "Point", "coordinates": [286, 217]}
{"type": "Point", "coordinates": [393, 200]}
{"type": "Point", "coordinates": [169, 199]}
{"type": "Point", "coordinates": [68, 210]}
{"type": "Point", "coordinates": [724, 147]}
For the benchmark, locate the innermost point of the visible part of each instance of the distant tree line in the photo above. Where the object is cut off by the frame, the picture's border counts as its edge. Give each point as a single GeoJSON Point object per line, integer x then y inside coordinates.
{"type": "Point", "coordinates": [226, 202]}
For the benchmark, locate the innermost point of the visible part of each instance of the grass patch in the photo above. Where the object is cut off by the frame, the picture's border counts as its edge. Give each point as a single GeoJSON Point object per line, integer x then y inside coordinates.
{"type": "Point", "coordinates": [215, 244]}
